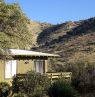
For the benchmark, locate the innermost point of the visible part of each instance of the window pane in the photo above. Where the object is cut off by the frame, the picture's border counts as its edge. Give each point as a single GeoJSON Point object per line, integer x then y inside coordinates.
{"type": "Point", "coordinates": [39, 65]}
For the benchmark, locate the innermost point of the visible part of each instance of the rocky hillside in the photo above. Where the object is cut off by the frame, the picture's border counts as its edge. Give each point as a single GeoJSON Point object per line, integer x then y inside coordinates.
{"type": "Point", "coordinates": [70, 40]}
{"type": "Point", "coordinates": [35, 28]}
{"type": "Point", "coordinates": [55, 32]}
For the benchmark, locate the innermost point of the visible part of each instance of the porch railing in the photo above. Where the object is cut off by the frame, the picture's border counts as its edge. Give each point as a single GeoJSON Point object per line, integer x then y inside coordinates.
{"type": "Point", "coordinates": [66, 75]}
{"type": "Point", "coordinates": [53, 76]}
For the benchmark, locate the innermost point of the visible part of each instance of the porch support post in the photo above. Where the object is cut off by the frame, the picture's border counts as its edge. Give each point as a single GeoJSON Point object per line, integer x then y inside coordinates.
{"type": "Point", "coordinates": [46, 66]}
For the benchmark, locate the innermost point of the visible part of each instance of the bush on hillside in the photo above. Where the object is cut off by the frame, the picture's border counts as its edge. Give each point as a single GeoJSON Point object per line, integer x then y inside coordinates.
{"type": "Point", "coordinates": [33, 84]}
{"type": "Point", "coordinates": [84, 82]}
{"type": "Point", "coordinates": [61, 88]}
{"type": "Point", "coordinates": [4, 89]}
{"type": "Point", "coordinates": [83, 71]}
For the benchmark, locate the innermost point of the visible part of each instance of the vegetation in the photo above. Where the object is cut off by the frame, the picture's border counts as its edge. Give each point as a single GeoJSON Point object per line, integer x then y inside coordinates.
{"type": "Point", "coordinates": [83, 80]}
{"type": "Point", "coordinates": [13, 26]}
{"type": "Point", "coordinates": [61, 89]}
{"type": "Point", "coordinates": [16, 30]}
{"type": "Point", "coordinates": [18, 95]}
{"type": "Point", "coordinates": [4, 89]}
{"type": "Point", "coordinates": [32, 84]}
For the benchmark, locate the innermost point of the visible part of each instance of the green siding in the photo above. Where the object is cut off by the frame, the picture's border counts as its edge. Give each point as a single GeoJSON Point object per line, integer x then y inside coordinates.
{"type": "Point", "coordinates": [1, 70]}
{"type": "Point", "coordinates": [22, 67]}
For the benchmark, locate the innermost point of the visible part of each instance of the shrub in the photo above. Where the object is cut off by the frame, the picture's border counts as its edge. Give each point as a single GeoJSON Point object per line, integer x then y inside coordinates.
{"type": "Point", "coordinates": [32, 84]}
{"type": "Point", "coordinates": [61, 88]}
{"type": "Point", "coordinates": [84, 82]}
{"type": "Point", "coordinates": [82, 67]}
{"type": "Point", "coordinates": [4, 89]}
{"type": "Point", "coordinates": [18, 95]}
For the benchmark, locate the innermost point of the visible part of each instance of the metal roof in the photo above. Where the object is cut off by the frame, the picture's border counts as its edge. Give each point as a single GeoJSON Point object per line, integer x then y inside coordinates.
{"type": "Point", "coordinates": [29, 53]}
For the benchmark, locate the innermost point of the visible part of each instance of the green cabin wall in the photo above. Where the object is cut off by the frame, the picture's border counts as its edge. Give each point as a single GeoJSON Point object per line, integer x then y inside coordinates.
{"type": "Point", "coordinates": [22, 68]}
{"type": "Point", "coordinates": [1, 70]}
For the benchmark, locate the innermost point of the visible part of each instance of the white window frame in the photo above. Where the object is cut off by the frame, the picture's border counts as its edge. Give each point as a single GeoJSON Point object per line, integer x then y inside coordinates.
{"type": "Point", "coordinates": [10, 68]}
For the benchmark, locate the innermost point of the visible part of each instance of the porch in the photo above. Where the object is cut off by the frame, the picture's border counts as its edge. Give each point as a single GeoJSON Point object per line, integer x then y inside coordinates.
{"type": "Point", "coordinates": [52, 76]}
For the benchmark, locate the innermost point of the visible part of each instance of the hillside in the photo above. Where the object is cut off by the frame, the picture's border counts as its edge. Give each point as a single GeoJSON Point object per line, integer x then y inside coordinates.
{"type": "Point", "coordinates": [55, 32]}
{"type": "Point", "coordinates": [70, 40]}
{"type": "Point", "coordinates": [35, 28]}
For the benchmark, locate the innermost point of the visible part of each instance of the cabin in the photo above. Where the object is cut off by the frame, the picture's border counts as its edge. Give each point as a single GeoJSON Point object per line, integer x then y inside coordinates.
{"type": "Point", "coordinates": [23, 61]}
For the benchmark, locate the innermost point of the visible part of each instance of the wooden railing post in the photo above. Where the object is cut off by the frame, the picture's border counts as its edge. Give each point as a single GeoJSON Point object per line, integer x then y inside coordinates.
{"type": "Point", "coordinates": [61, 74]}
{"type": "Point", "coordinates": [51, 77]}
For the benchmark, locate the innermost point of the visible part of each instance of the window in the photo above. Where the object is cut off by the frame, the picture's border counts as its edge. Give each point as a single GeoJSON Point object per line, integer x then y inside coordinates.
{"type": "Point", "coordinates": [10, 68]}
{"type": "Point", "coordinates": [39, 66]}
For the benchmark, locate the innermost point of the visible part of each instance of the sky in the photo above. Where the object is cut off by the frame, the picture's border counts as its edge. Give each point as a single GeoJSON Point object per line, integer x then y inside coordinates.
{"type": "Point", "coordinates": [57, 11]}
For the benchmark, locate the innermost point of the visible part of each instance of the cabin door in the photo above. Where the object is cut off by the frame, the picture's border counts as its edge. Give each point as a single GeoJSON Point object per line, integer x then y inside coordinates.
{"type": "Point", "coordinates": [39, 66]}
